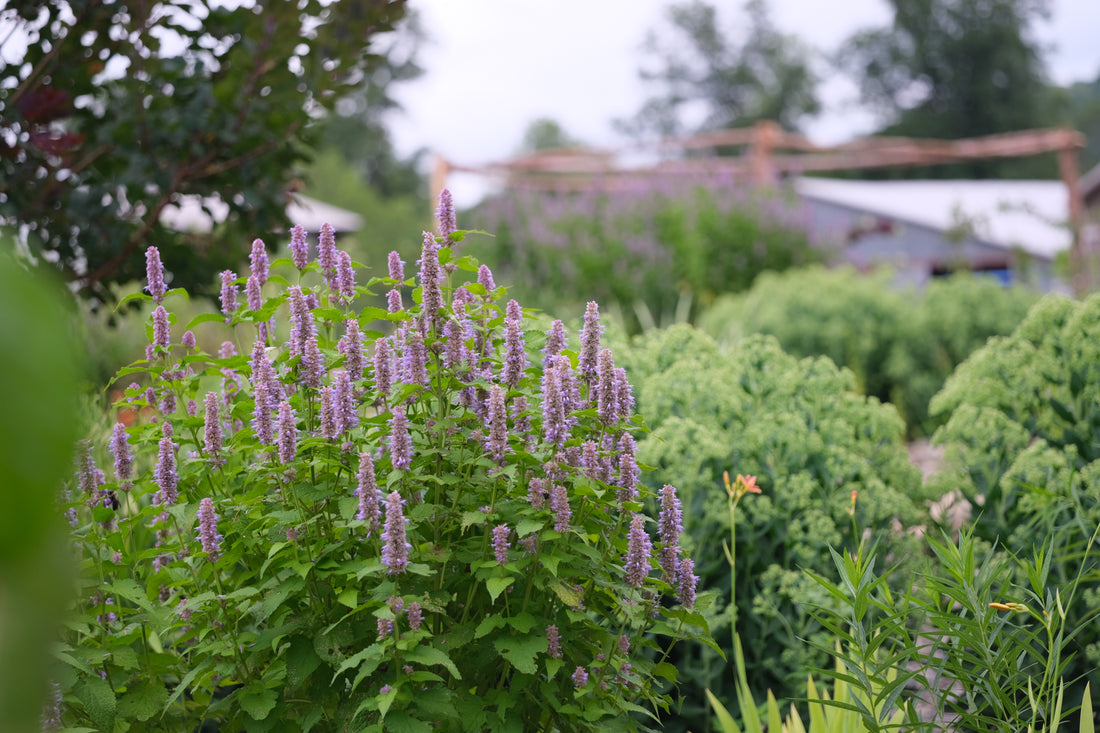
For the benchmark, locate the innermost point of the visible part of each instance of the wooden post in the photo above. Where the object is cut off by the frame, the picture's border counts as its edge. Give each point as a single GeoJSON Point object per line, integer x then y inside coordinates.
{"type": "Point", "coordinates": [438, 181]}
{"type": "Point", "coordinates": [1083, 260]}
{"type": "Point", "coordinates": [765, 135]}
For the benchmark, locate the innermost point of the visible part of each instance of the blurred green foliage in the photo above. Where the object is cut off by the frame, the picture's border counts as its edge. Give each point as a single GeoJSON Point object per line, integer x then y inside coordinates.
{"type": "Point", "coordinates": [900, 345]}
{"type": "Point", "coordinates": [655, 252]}
{"type": "Point", "coordinates": [811, 439]}
{"type": "Point", "coordinates": [38, 427]}
{"type": "Point", "coordinates": [1023, 443]}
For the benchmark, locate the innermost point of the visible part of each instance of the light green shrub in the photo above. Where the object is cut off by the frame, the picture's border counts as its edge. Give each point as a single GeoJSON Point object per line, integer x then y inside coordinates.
{"type": "Point", "coordinates": [798, 425]}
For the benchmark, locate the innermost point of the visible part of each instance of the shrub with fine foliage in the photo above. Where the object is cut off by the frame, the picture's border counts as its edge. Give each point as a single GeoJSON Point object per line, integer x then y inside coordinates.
{"type": "Point", "coordinates": [811, 440]}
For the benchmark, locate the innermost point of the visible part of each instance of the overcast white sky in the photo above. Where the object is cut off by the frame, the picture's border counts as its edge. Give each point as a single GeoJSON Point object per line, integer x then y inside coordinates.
{"type": "Point", "coordinates": [492, 66]}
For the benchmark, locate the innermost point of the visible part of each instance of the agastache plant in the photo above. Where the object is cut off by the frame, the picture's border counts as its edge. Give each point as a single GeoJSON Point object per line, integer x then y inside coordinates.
{"type": "Point", "coordinates": [355, 527]}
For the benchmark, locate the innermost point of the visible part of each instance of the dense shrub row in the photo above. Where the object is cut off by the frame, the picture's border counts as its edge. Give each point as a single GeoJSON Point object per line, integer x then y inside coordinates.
{"type": "Point", "coordinates": [652, 252]}
{"type": "Point", "coordinates": [900, 345]}
{"type": "Point", "coordinates": [811, 440]}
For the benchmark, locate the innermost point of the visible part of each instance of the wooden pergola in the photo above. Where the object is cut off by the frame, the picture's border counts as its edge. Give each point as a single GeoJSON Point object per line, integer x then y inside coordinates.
{"type": "Point", "coordinates": [770, 154]}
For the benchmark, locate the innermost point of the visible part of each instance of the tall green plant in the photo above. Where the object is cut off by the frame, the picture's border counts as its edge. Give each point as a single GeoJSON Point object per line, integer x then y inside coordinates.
{"type": "Point", "coordinates": [353, 530]}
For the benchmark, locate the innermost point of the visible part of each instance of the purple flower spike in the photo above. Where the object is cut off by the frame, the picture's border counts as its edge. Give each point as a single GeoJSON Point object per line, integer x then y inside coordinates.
{"type": "Point", "coordinates": [299, 250]}
{"type": "Point", "coordinates": [162, 332]}
{"type": "Point", "coordinates": [385, 628]}
{"type": "Point", "coordinates": [313, 364]}
{"type": "Point", "coordinates": [536, 492]}
{"type": "Point", "coordinates": [208, 529]}
{"type": "Point", "coordinates": [393, 301]}
{"type": "Point", "coordinates": [628, 469]}
{"type": "Point", "coordinates": [431, 279]}
{"type": "Point", "coordinates": [351, 346]}
{"type": "Point", "coordinates": [445, 215]}
{"type": "Point", "coordinates": [346, 407]}
{"type": "Point", "coordinates": [555, 342]}
{"type": "Point", "coordinates": [497, 445]}
{"type": "Point", "coordinates": [553, 642]}
{"type": "Point", "coordinates": [624, 393]}
{"type": "Point", "coordinates": [258, 258]}
{"type": "Point", "coordinates": [88, 476]}
{"type": "Point", "coordinates": [395, 551]}
{"type": "Point", "coordinates": [253, 291]}
{"type": "Point", "coordinates": [590, 342]}
{"type": "Point", "coordinates": [212, 425]}
{"type": "Point", "coordinates": [229, 294]}
{"type": "Point", "coordinates": [624, 644]}
{"type": "Point", "coordinates": [638, 548]}
{"type": "Point", "coordinates": [397, 267]}
{"type": "Point", "coordinates": [188, 339]}
{"type": "Point", "coordinates": [559, 504]}
{"type": "Point", "coordinates": [515, 347]}
{"type": "Point", "coordinates": [415, 615]}
{"type": "Point", "coordinates": [580, 677]}
{"type": "Point", "coordinates": [326, 253]}
{"type": "Point", "coordinates": [288, 433]}
{"type": "Point", "coordinates": [120, 449]}
{"type": "Point", "coordinates": [330, 425]}
{"type": "Point", "coordinates": [368, 495]}
{"type": "Point", "coordinates": [400, 442]}
{"type": "Point", "coordinates": [554, 426]}
{"type": "Point", "coordinates": [164, 474]}
{"type": "Point", "coordinates": [154, 275]}
{"type": "Point", "coordinates": [485, 277]}
{"type": "Point", "coordinates": [605, 388]}
{"type": "Point", "coordinates": [345, 276]}
{"type": "Point", "coordinates": [301, 321]}
{"type": "Point", "coordinates": [500, 543]}
{"type": "Point", "coordinates": [383, 368]}
{"type": "Point", "coordinates": [688, 579]}
{"type": "Point", "coordinates": [415, 359]}
{"type": "Point", "coordinates": [670, 525]}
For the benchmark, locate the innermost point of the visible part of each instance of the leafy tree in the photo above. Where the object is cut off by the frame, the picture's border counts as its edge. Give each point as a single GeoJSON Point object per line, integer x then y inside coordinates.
{"type": "Point", "coordinates": [955, 69]}
{"type": "Point", "coordinates": [721, 79]}
{"type": "Point", "coordinates": [545, 133]}
{"type": "Point", "coordinates": [119, 109]}
{"type": "Point", "coordinates": [1082, 112]}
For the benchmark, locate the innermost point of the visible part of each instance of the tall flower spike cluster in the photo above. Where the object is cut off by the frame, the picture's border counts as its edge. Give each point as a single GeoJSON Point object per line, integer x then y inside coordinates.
{"type": "Point", "coordinates": [449, 393]}
{"type": "Point", "coordinates": [154, 275]}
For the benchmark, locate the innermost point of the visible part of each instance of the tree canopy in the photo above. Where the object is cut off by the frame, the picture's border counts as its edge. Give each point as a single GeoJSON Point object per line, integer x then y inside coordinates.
{"type": "Point", "coordinates": [954, 69]}
{"type": "Point", "coordinates": [706, 78]}
{"type": "Point", "coordinates": [119, 109]}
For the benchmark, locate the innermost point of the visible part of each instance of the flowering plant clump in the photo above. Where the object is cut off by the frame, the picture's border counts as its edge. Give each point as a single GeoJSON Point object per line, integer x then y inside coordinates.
{"type": "Point", "coordinates": [325, 527]}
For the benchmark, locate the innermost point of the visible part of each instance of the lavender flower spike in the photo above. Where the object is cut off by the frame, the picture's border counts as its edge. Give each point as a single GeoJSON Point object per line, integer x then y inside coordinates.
{"type": "Point", "coordinates": [397, 267]}
{"type": "Point", "coordinates": [345, 276]}
{"type": "Point", "coordinates": [515, 347]}
{"type": "Point", "coordinates": [351, 346]}
{"type": "Point", "coordinates": [258, 258]}
{"type": "Point", "coordinates": [485, 278]}
{"type": "Point", "coordinates": [555, 342]}
{"type": "Point", "coordinates": [559, 504]}
{"type": "Point", "coordinates": [208, 529]}
{"type": "Point", "coordinates": [330, 422]}
{"type": "Point", "coordinates": [162, 333]}
{"type": "Point", "coordinates": [445, 215]}
{"type": "Point", "coordinates": [326, 253]}
{"type": "Point", "coordinates": [497, 445]}
{"type": "Point", "coordinates": [430, 284]}
{"type": "Point", "coordinates": [212, 425]}
{"type": "Point", "coordinates": [400, 442]}
{"type": "Point", "coordinates": [670, 525]}
{"type": "Point", "coordinates": [553, 641]}
{"type": "Point", "coordinates": [580, 677]}
{"type": "Point", "coordinates": [288, 433]}
{"type": "Point", "coordinates": [590, 342]}
{"type": "Point", "coordinates": [415, 616]}
{"type": "Point", "coordinates": [165, 475]}
{"type": "Point", "coordinates": [688, 579]}
{"type": "Point", "coordinates": [383, 368]}
{"type": "Point", "coordinates": [120, 449]}
{"type": "Point", "coordinates": [638, 548]}
{"type": "Point", "coordinates": [299, 250]}
{"type": "Point", "coordinates": [500, 543]}
{"type": "Point", "coordinates": [154, 275]}
{"type": "Point", "coordinates": [368, 495]}
{"type": "Point", "coordinates": [395, 551]}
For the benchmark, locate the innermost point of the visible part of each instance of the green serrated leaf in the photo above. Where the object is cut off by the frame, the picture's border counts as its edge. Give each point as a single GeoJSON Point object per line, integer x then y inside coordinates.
{"type": "Point", "coordinates": [143, 701]}
{"type": "Point", "coordinates": [257, 701]}
{"type": "Point", "coordinates": [432, 656]}
{"type": "Point", "coordinates": [552, 666]}
{"type": "Point", "coordinates": [349, 597]}
{"type": "Point", "coordinates": [471, 518]}
{"type": "Point", "coordinates": [567, 594]}
{"type": "Point", "coordinates": [99, 702]}
{"type": "Point", "coordinates": [527, 526]}
{"type": "Point", "coordinates": [301, 661]}
{"type": "Point", "coordinates": [521, 651]}
{"type": "Point", "coordinates": [496, 586]}
{"type": "Point", "coordinates": [489, 623]}
{"type": "Point", "coordinates": [125, 657]}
